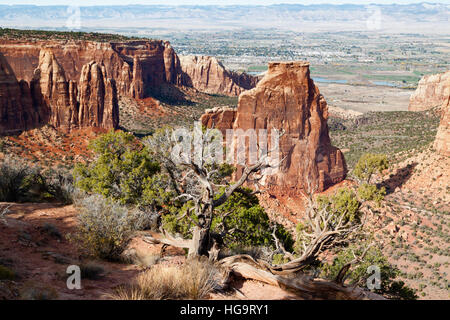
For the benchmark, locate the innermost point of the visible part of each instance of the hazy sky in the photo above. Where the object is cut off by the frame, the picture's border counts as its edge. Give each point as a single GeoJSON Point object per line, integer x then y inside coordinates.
{"type": "Point", "coordinates": [207, 2]}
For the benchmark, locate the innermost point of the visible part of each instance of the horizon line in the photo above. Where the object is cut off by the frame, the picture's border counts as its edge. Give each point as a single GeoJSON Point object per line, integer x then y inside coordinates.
{"type": "Point", "coordinates": [225, 5]}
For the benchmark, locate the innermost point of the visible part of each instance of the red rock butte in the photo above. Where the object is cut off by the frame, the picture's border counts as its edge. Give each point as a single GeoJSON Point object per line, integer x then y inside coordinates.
{"type": "Point", "coordinates": [287, 99]}
{"type": "Point", "coordinates": [432, 91]}
{"type": "Point", "coordinates": [442, 142]}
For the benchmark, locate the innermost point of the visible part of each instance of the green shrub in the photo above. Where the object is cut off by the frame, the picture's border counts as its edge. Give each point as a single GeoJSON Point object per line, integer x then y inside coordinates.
{"type": "Point", "coordinates": [343, 202]}
{"type": "Point", "coordinates": [13, 173]}
{"type": "Point", "coordinates": [369, 192]}
{"type": "Point", "coordinates": [20, 182]}
{"type": "Point", "coordinates": [121, 171]}
{"type": "Point", "coordinates": [358, 274]}
{"type": "Point", "coordinates": [369, 164]}
{"type": "Point", "coordinates": [248, 218]}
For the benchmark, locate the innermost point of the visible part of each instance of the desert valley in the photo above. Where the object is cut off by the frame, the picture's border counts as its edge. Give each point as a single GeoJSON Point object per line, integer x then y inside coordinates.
{"type": "Point", "coordinates": [353, 174]}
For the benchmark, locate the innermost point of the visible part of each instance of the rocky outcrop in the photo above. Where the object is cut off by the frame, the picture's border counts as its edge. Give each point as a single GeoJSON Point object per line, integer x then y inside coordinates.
{"type": "Point", "coordinates": [287, 99]}
{"type": "Point", "coordinates": [442, 142]}
{"type": "Point", "coordinates": [158, 65]}
{"type": "Point", "coordinates": [208, 75]}
{"type": "Point", "coordinates": [97, 98]}
{"type": "Point", "coordinates": [221, 118]}
{"type": "Point", "coordinates": [432, 91]}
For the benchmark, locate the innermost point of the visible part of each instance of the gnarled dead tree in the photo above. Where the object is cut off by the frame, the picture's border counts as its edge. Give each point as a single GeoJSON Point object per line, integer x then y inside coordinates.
{"type": "Point", "coordinates": [198, 179]}
{"type": "Point", "coordinates": [199, 182]}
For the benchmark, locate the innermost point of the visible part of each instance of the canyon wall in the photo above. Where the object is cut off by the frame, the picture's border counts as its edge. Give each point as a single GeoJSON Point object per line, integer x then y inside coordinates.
{"type": "Point", "coordinates": [442, 142]}
{"type": "Point", "coordinates": [208, 75]}
{"type": "Point", "coordinates": [287, 99]}
{"type": "Point", "coordinates": [51, 97]}
{"type": "Point", "coordinates": [157, 60]}
{"type": "Point", "coordinates": [432, 91]}
{"type": "Point", "coordinates": [77, 83]}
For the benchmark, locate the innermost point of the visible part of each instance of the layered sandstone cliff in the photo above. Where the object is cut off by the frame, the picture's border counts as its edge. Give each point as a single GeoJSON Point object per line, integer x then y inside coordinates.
{"type": "Point", "coordinates": [117, 57]}
{"type": "Point", "coordinates": [139, 67]}
{"type": "Point", "coordinates": [49, 98]}
{"type": "Point", "coordinates": [98, 102]}
{"type": "Point", "coordinates": [287, 99]}
{"type": "Point", "coordinates": [208, 75]}
{"type": "Point", "coordinates": [48, 81]}
{"type": "Point", "coordinates": [442, 142]}
{"type": "Point", "coordinates": [432, 91]}
{"type": "Point", "coordinates": [53, 94]}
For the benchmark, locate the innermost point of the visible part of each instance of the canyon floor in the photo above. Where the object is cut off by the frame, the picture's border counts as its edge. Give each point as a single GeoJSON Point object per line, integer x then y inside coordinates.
{"type": "Point", "coordinates": [39, 259]}
{"type": "Point", "coordinates": [365, 98]}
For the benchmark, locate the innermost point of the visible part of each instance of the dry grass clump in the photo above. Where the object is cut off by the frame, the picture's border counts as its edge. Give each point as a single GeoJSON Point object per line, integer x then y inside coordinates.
{"type": "Point", "coordinates": [193, 280]}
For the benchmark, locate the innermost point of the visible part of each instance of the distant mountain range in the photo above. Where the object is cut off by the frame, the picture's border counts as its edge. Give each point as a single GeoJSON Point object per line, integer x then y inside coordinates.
{"type": "Point", "coordinates": [423, 17]}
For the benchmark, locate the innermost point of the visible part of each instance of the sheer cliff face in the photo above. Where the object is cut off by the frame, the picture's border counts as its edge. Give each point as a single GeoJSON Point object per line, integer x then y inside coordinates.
{"type": "Point", "coordinates": [208, 75]}
{"type": "Point", "coordinates": [442, 142]}
{"type": "Point", "coordinates": [432, 91]}
{"type": "Point", "coordinates": [51, 92]}
{"type": "Point", "coordinates": [287, 99]}
{"type": "Point", "coordinates": [158, 61]}
{"type": "Point", "coordinates": [49, 98]}
{"type": "Point", "coordinates": [98, 102]}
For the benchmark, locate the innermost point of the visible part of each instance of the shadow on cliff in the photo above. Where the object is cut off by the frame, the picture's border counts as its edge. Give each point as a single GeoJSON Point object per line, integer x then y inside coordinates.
{"type": "Point", "coordinates": [22, 105]}
{"type": "Point", "coordinates": [169, 94]}
{"type": "Point", "coordinates": [398, 179]}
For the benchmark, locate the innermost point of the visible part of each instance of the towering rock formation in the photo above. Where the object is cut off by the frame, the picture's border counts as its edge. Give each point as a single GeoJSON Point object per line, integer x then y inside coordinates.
{"type": "Point", "coordinates": [442, 142]}
{"type": "Point", "coordinates": [137, 85]}
{"type": "Point", "coordinates": [54, 94]}
{"type": "Point", "coordinates": [287, 99]}
{"type": "Point", "coordinates": [171, 65]}
{"type": "Point", "coordinates": [98, 98]}
{"type": "Point", "coordinates": [432, 91]}
{"type": "Point", "coordinates": [208, 75]}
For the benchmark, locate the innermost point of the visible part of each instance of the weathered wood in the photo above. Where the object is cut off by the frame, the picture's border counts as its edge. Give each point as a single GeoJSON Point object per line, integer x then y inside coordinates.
{"type": "Point", "coordinates": [302, 285]}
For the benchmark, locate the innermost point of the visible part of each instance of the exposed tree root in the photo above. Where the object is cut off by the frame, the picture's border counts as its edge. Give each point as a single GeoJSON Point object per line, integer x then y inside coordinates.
{"type": "Point", "coordinates": [302, 285]}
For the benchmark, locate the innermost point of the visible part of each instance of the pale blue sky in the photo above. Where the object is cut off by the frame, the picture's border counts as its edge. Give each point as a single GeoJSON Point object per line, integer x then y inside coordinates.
{"type": "Point", "coordinates": [207, 2]}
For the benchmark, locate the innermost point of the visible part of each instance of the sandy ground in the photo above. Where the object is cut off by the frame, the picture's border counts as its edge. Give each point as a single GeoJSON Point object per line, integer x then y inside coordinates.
{"type": "Point", "coordinates": [40, 260]}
